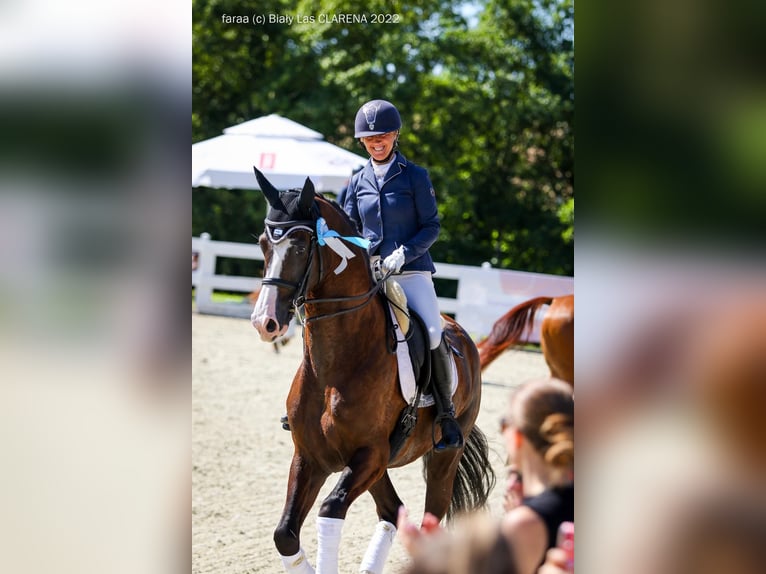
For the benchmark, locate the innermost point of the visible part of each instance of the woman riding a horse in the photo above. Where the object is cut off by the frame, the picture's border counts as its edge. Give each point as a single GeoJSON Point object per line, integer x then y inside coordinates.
{"type": "Point", "coordinates": [393, 204]}
{"type": "Point", "coordinates": [345, 403]}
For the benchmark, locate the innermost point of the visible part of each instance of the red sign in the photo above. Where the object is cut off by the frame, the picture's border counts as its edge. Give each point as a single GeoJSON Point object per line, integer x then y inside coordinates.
{"type": "Point", "coordinates": [267, 160]}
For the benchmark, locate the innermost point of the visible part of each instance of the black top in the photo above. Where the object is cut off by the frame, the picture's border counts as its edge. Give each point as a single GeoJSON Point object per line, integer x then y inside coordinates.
{"type": "Point", "coordinates": [554, 506]}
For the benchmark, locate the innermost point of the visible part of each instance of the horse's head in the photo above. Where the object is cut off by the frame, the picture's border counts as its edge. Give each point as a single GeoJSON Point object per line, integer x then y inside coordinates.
{"type": "Point", "coordinates": [287, 245]}
{"type": "Point", "coordinates": [299, 225]}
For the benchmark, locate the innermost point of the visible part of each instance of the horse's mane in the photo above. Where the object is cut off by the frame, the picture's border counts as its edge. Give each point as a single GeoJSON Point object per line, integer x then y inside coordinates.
{"type": "Point", "coordinates": [340, 210]}
{"type": "Point", "coordinates": [352, 225]}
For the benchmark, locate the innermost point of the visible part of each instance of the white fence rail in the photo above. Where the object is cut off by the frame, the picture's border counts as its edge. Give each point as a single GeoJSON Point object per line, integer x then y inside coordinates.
{"type": "Point", "coordinates": [484, 294]}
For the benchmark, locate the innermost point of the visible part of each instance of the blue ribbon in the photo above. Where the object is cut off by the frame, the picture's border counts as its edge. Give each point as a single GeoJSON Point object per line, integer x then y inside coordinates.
{"type": "Point", "coordinates": [323, 231]}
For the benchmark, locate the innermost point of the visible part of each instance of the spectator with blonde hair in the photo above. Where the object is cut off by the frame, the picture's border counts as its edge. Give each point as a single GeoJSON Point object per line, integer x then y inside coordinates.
{"type": "Point", "coordinates": [539, 436]}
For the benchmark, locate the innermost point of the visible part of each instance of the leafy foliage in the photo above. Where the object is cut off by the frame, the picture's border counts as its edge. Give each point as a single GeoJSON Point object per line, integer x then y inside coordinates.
{"type": "Point", "coordinates": [487, 104]}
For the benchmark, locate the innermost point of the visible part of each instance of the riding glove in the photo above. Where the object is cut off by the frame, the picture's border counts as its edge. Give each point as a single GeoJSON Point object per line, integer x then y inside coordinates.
{"type": "Point", "coordinates": [394, 262]}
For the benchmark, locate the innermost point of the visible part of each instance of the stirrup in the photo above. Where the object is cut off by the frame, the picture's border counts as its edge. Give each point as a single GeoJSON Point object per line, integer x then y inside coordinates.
{"type": "Point", "coordinates": [285, 424]}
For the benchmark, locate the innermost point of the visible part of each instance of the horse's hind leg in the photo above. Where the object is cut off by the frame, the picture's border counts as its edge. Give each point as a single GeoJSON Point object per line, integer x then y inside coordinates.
{"type": "Point", "coordinates": [441, 469]}
{"type": "Point", "coordinates": [387, 504]}
{"type": "Point", "coordinates": [303, 487]}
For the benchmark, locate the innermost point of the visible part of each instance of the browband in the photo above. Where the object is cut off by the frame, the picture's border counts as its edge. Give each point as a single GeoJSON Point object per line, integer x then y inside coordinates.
{"type": "Point", "coordinates": [279, 233]}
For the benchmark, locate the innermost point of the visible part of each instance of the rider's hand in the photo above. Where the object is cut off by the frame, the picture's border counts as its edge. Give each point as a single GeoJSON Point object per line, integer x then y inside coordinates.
{"type": "Point", "coordinates": [394, 262]}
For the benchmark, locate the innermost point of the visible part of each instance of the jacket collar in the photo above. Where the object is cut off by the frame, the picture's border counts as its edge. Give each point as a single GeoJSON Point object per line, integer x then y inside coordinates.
{"type": "Point", "coordinates": [400, 162]}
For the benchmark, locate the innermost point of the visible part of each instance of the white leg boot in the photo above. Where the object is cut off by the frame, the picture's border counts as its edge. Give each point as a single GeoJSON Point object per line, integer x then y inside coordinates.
{"type": "Point", "coordinates": [377, 551]}
{"type": "Point", "coordinates": [328, 544]}
{"type": "Point", "coordinates": [297, 563]}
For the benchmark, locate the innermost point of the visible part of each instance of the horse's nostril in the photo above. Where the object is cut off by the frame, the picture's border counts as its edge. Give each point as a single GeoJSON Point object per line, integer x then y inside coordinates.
{"type": "Point", "coordinates": [271, 326]}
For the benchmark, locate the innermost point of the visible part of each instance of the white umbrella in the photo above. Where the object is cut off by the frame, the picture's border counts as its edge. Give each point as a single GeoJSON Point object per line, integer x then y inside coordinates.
{"type": "Point", "coordinates": [285, 151]}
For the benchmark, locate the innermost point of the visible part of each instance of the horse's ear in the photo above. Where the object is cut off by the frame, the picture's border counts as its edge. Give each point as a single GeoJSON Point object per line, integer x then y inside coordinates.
{"type": "Point", "coordinates": [269, 191]}
{"type": "Point", "coordinates": [307, 196]}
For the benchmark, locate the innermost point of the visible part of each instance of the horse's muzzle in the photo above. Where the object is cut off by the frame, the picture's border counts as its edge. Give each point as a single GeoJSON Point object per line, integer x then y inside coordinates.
{"type": "Point", "coordinates": [268, 327]}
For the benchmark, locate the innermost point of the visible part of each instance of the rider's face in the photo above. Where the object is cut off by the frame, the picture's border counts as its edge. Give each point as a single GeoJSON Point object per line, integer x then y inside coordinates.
{"type": "Point", "coordinates": [380, 146]}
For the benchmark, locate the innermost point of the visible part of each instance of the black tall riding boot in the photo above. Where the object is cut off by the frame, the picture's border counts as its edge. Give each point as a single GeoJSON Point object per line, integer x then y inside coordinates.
{"type": "Point", "coordinates": [452, 436]}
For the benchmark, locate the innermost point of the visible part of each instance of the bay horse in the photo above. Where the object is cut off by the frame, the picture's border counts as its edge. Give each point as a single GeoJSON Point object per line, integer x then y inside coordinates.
{"type": "Point", "coordinates": [556, 334]}
{"type": "Point", "coordinates": [344, 402]}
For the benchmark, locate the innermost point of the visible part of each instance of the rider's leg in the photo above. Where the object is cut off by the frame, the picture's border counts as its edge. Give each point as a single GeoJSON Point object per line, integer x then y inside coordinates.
{"type": "Point", "coordinates": [421, 296]}
{"type": "Point", "coordinates": [452, 437]}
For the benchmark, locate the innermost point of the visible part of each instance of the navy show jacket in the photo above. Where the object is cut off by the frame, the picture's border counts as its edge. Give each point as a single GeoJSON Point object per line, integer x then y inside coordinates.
{"type": "Point", "coordinates": [402, 212]}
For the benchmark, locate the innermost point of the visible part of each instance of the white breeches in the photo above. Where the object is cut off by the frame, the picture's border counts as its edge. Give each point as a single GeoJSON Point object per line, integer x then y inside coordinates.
{"type": "Point", "coordinates": [421, 296]}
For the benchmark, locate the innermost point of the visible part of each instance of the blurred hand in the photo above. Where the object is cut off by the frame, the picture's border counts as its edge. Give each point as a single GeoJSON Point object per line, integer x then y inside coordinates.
{"type": "Point", "coordinates": [430, 523]}
{"type": "Point", "coordinates": [514, 490]}
{"type": "Point", "coordinates": [555, 562]}
{"type": "Point", "coordinates": [409, 534]}
{"type": "Point", "coordinates": [394, 262]}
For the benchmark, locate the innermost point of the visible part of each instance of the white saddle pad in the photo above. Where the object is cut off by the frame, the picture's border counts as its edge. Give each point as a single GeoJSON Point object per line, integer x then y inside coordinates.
{"type": "Point", "coordinates": [407, 384]}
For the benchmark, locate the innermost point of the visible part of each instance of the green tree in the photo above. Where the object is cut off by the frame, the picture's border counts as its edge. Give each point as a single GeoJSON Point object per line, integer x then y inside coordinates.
{"type": "Point", "coordinates": [504, 101]}
{"type": "Point", "coordinates": [487, 105]}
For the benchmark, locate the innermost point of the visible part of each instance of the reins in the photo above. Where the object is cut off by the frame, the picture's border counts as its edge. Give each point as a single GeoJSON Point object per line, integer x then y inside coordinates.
{"type": "Point", "coordinates": [368, 295]}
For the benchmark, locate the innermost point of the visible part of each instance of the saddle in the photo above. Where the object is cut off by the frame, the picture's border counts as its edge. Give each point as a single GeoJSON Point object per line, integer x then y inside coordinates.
{"type": "Point", "coordinates": [408, 328]}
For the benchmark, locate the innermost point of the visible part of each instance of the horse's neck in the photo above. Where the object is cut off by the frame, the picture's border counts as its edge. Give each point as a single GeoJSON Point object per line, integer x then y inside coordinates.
{"type": "Point", "coordinates": [352, 278]}
{"type": "Point", "coordinates": [339, 332]}
{"type": "Point", "coordinates": [338, 338]}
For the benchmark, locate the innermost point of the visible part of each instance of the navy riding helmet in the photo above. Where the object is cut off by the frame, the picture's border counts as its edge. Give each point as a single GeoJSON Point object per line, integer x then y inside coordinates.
{"type": "Point", "coordinates": [376, 117]}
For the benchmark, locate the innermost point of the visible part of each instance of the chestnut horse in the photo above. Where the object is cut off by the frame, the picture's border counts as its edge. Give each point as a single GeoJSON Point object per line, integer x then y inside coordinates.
{"type": "Point", "coordinates": [556, 334]}
{"type": "Point", "coordinates": [344, 402]}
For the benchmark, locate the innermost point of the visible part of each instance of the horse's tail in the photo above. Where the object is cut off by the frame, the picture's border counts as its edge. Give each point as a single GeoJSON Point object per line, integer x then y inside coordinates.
{"type": "Point", "coordinates": [475, 477]}
{"type": "Point", "coordinates": [509, 329]}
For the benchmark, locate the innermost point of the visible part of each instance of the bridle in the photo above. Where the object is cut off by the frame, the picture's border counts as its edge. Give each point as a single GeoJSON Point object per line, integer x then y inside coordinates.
{"type": "Point", "coordinates": [300, 287]}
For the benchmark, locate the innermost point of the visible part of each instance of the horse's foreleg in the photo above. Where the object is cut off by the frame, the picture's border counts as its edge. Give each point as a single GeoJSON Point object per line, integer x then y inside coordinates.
{"type": "Point", "coordinates": [363, 470]}
{"type": "Point", "coordinates": [387, 503]}
{"type": "Point", "coordinates": [303, 487]}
